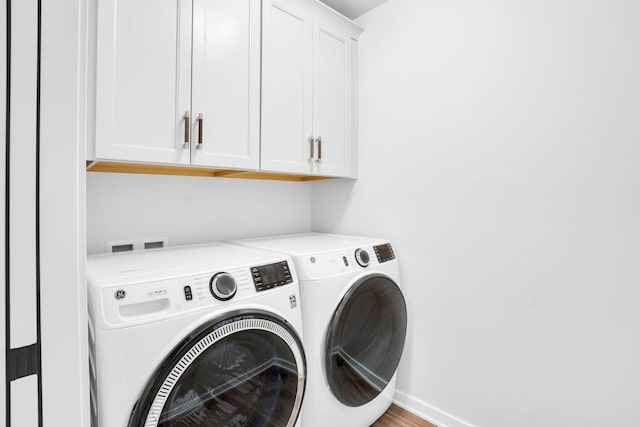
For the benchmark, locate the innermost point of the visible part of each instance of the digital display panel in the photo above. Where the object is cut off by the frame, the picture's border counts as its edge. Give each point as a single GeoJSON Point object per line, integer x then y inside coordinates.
{"type": "Point", "coordinates": [384, 253]}
{"type": "Point", "coordinates": [271, 275]}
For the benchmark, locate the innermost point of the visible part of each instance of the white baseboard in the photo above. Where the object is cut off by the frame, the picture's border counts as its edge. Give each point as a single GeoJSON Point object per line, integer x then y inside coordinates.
{"type": "Point", "coordinates": [427, 412]}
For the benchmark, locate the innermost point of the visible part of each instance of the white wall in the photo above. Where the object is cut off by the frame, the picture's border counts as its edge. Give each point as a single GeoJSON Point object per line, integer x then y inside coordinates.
{"type": "Point", "coordinates": [65, 358]}
{"type": "Point", "coordinates": [499, 150]}
{"type": "Point", "coordinates": [191, 209]}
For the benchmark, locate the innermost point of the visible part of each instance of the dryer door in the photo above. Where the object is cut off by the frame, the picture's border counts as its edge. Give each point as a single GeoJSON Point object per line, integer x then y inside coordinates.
{"type": "Point", "coordinates": [246, 369]}
{"type": "Point", "coordinates": [365, 340]}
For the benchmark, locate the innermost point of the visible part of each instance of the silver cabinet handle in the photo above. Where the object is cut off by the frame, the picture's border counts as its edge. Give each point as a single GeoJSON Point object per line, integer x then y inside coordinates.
{"type": "Point", "coordinates": [312, 147]}
{"type": "Point", "coordinates": [319, 149]}
{"type": "Point", "coordinates": [200, 123]}
{"type": "Point", "coordinates": [187, 124]}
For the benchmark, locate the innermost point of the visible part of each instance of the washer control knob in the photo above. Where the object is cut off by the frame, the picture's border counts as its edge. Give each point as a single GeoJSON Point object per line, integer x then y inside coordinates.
{"type": "Point", "coordinates": [362, 257]}
{"type": "Point", "coordinates": [223, 286]}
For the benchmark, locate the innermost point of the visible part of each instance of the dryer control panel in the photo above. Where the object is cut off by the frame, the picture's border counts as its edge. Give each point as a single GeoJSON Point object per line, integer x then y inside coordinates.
{"type": "Point", "coordinates": [321, 265]}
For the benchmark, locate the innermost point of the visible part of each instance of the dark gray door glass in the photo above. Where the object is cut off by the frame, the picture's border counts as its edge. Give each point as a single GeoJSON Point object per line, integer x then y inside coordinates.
{"type": "Point", "coordinates": [249, 377]}
{"type": "Point", "coordinates": [365, 340]}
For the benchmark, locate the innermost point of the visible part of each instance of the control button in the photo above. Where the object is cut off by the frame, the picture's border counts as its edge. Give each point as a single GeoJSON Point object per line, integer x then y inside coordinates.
{"type": "Point", "coordinates": [362, 257]}
{"type": "Point", "coordinates": [223, 286]}
{"type": "Point", "coordinates": [187, 293]}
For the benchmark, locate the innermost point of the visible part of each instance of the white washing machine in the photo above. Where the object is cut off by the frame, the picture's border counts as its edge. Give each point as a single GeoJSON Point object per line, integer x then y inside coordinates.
{"type": "Point", "coordinates": [195, 336]}
{"type": "Point", "coordinates": [354, 320]}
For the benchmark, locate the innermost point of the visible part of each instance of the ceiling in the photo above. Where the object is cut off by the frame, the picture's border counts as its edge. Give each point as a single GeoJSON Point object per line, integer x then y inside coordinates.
{"type": "Point", "coordinates": [353, 8]}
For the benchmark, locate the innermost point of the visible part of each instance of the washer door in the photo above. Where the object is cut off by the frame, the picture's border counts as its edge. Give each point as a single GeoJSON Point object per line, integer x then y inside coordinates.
{"type": "Point", "coordinates": [365, 340]}
{"type": "Point", "coordinates": [246, 369]}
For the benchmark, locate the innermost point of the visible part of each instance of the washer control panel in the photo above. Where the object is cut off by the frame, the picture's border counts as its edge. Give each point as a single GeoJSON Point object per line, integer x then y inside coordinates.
{"type": "Point", "coordinates": [271, 275]}
{"type": "Point", "coordinates": [384, 253]}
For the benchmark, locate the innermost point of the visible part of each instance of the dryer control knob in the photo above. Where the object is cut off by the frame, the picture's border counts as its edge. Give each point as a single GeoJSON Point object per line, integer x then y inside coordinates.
{"type": "Point", "coordinates": [223, 286]}
{"type": "Point", "coordinates": [362, 257]}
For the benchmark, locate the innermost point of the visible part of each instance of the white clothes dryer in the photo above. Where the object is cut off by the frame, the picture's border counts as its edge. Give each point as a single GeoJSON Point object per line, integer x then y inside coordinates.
{"type": "Point", "coordinates": [354, 320]}
{"type": "Point", "coordinates": [195, 336]}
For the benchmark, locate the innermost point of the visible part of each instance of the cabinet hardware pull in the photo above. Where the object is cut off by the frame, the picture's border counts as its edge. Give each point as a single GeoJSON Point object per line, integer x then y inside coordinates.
{"type": "Point", "coordinates": [200, 120]}
{"type": "Point", "coordinates": [319, 149]}
{"type": "Point", "coordinates": [312, 142]}
{"type": "Point", "coordinates": [186, 129]}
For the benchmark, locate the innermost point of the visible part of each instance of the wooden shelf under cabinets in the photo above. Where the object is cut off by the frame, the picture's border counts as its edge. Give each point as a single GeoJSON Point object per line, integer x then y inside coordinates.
{"type": "Point", "coordinates": [156, 169]}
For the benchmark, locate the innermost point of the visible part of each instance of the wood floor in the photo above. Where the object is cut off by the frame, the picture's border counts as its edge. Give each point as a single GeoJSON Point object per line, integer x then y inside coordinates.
{"type": "Point", "coordinates": [398, 417]}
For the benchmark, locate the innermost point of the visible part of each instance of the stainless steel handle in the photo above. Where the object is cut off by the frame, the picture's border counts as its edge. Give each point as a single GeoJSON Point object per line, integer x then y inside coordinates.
{"type": "Point", "coordinates": [319, 149]}
{"type": "Point", "coordinates": [312, 148]}
{"type": "Point", "coordinates": [187, 124]}
{"type": "Point", "coordinates": [200, 120]}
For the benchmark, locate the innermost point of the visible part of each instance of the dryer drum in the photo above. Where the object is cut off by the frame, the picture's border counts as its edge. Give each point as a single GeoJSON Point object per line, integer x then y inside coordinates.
{"type": "Point", "coordinates": [245, 369]}
{"type": "Point", "coordinates": [365, 340]}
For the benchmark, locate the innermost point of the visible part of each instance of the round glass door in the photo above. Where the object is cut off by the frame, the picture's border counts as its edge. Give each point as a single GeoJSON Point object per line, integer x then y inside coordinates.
{"type": "Point", "coordinates": [245, 370]}
{"type": "Point", "coordinates": [365, 340]}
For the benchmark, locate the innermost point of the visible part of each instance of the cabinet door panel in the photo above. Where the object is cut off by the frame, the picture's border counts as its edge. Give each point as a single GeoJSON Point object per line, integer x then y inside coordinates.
{"type": "Point", "coordinates": [286, 86]}
{"type": "Point", "coordinates": [333, 99]}
{"type": "Point", "coordinates": [143, 79]}
{"type": "Point", "coordinates": [226, 83]}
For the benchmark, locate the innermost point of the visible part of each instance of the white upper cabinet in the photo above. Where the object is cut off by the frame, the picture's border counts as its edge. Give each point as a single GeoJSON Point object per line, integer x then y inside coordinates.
{"type": "Point", "coordinates": [226, 83]}
{"type": "Point", "coordinates": [287, 60]}
{"type": "Point", "coordinates": [265, 85]}
{"type": "Point", "coordinates": [143, 85]}
{"type": "Point", "coordinates": [334, 95]}
{"type": "Point", "coordinates": [308, 89]}
{"type": "Point", "coordinates": [148, 109]}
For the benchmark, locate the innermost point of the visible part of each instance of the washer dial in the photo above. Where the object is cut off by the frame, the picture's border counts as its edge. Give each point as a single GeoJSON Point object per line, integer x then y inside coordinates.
{"type": "Point", "coordinates": [223, 286]}
{"type": "Point", "coordinates": [362, 257]}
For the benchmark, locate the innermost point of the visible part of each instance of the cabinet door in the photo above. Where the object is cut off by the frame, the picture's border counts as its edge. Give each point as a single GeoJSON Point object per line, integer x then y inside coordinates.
{"type": "Point", "coordinates": [333, 95]}
{"type": "Point", "coordinates": [287, 44]}
{"type": "Point", "coordinates": [143, 80]}
{"type": "Point", "coordinates": [226, 83]}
